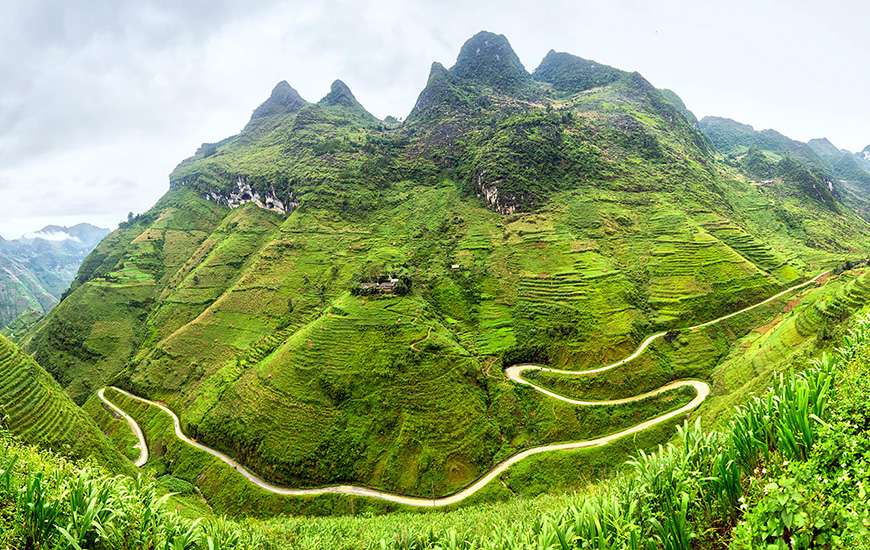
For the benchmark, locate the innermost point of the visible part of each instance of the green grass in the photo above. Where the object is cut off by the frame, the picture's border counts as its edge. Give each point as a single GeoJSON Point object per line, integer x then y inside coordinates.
{"type": "Point", "coordinates": [692, 354]}
{"type": "Point", "coordinates": [256, 334]}
{"type": "Point", "coordinates": [731, 353]}
{"type": "Point", "coordinates": [787, 470]}
{"type": "Point", "coordinates": [88, 339]}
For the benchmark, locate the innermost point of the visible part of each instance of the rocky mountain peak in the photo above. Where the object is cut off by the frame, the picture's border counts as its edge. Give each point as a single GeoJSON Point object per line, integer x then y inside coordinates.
{"type": "Point", "coordinates": [438, 72]}
{"type": "Point", "coordinates": [283, 100]}
{"type": "Point", "coordinates": [437, 93]}
{"type": "Point", "coordinates": [489, 59]}
{"type": "Point", "coordinates": [339, 94]}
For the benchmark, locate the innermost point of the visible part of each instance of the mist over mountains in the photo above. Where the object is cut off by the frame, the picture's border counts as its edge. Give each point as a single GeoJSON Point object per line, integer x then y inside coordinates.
{"type": "Point", "coordinates": [37, 268]}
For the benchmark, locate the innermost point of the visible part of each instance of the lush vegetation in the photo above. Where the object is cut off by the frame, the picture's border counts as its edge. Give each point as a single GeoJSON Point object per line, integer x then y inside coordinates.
{"type": "Point", "coordinates": [528, 221]}
{"type": "Point", "coordinates": [49, 502]}
{"type": "Point", "coordinates": [816, 169]}
{"type": "Point", "coordinates": [735, 357]}
{"type": "Point", "coordinates": [34, 407]}
{"type": "Point", "coordinates": [789, 470]}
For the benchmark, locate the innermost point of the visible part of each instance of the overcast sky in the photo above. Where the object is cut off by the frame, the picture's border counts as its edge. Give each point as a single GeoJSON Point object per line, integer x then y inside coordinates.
{"type": "Point", "coordinates": [99, 100]}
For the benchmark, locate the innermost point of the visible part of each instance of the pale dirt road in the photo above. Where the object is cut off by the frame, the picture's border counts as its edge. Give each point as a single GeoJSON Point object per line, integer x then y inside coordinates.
{"type": "Point", "coordinates": [514, 373]}
{"type": "Point", "coordinates": [141, 445]}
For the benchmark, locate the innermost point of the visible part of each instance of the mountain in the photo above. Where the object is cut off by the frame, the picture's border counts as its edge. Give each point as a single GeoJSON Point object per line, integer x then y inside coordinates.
{"type": "Point", "coordinates": [573, 74]}
{"type": "Point", "coordinates": [817, 168]}
{"type": "Point", "coordinates": [825, 150]}
{"type": "Point", "coordinates": [37, 410]}
{"type": "Point", "coordinates": [284, 100]}
{"type": "Point", "coordinates": [793, 167]}
{"type": "Point", "coordinates": [488, 59]}
{"type": "Point", "coordinates": [731, 137]}
{"type": "Point", "coordinates": [330, 299]}
{"type": "Point", "coordinates": [36, 269]}
{"type": "Point", "coordinates": [675, 100]}
{"type": "Point", "coordinates": [855, 179]}
{"type": "Point", "coordinates": [843, 164]}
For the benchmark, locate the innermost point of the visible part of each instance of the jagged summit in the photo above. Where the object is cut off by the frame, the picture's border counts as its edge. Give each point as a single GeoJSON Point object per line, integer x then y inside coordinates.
{"type": "Point", "coordinates": [485, 58]}
{"type": "Point", "coordinates": [574, 74]}
{"type": "Point", "coordinates": [436, 96]}
{"type": "Point", "coordinates": [284, 99]}
{"type": "Point", "coordinates": [439, 71]}
{"type": "Point", "coordinates": [339, 94]}
{"type": "Point", "coordinates": [489, 59]}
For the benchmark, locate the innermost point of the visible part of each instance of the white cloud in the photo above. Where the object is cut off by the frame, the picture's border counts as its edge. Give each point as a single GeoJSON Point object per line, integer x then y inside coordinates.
{"type": "Point", "coordinates": [51, 236]}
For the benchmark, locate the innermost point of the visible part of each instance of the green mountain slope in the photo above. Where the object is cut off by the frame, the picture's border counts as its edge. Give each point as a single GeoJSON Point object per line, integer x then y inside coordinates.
{"type": "Point", "coordinates": [37, 410]}
{"type": "Point", "coordinates": [738, 477]}
{"type": "Point", "coordinates": [557, 216]}
{"type": "Point", "coordinates": [852, 172]}
{"type": "Point", "coordinates": [817, 168]}
{"type": "Point", "coordinates": [826, 150]}
{"type": "Point", "coordinates": [730, 137]}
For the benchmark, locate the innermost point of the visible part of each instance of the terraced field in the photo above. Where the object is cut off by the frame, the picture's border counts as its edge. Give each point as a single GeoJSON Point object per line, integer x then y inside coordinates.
{"type": "Point", "coordinates": [853, 293]}
{"type": "Point", "coordinates": [754, 250]}
{"type": "Point", "coordinates": [37, 410]}
{"type": "Point", "coordinates": [277, 363]}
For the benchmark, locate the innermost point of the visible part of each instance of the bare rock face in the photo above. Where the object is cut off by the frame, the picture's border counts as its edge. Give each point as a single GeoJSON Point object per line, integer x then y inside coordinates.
{"type": "Point", "coordinates": [488, 192]}
{"type": "Point", "coordinates": [244, 194]}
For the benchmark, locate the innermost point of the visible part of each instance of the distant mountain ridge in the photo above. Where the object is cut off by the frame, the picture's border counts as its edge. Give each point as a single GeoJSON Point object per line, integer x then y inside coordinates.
{"type": "Point", "coordinates": [37, 268]}
{"type": "Point", "coordinates": [818, 167]}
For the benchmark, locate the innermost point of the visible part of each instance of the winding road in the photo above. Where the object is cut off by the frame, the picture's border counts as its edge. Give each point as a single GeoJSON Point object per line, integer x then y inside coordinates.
{"type": "Point", "coordinates": [134, 426]}
{"type": "Point", "coordinates": [514, 373]}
